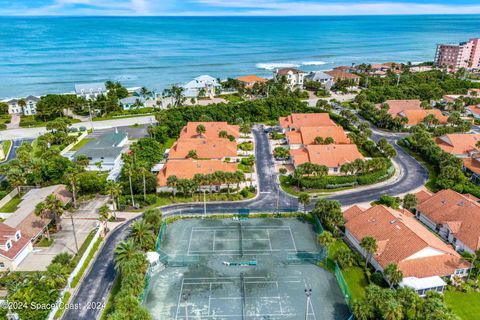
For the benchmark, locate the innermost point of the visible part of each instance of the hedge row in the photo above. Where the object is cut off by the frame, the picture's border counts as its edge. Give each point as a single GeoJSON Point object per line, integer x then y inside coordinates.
{"type": "Point", "coordinates": [334, 182]}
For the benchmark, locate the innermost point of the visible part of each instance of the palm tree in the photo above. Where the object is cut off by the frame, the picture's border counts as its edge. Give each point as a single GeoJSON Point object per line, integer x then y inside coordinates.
{"type": "Point", "coordinates": [319, 140]}
{"type": "Point", "coordinates": [51, 207]}
{"type": "Point", "coordinates": [223, 134]}
{"type": "Point", "coordinates": [305, 200]}
{"type": "Point", "coordinates": [200, 130]}
{"type": "Point", "coordinates": [71, 175]}
{"type": "Point", "coordinates": [393, 275]}
{"type": "Point", "coordinates": [104, 216]}
{"type": "Point", "coordinates": [172, 183]}
{"type": "Point", "coordinates": [326, 239]}
{"type": "Point", "coordinates": [114, 190]}
{"type": "Point", "coordinates": [250, 162]}
{"type": "Point", "coordinates": [124, 252]}
{"type": "Point", "coordinates": [143, 170]}
{"type": "Point", "coordinates": [22, 103]}
{"type": "Point", "coordinates": [154, 218]}
{"type": "Point", "coordinates": [128, 167]}
{"type": "Point", "coordinates": [369, 244]}
{"type": "Point", "coordinates": [192, 154]}
{"type": "Point", "coordinates": [16, 178]}
{"type": "Point", "coordinates": [143, 235]}
{"type": "Point", "coordinates": [42, 211]}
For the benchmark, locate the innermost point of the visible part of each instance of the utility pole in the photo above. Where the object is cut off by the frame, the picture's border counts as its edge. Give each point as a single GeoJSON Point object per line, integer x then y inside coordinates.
{"type": "Point", "coordinates": [308, 293]}
{"type": "Point", "coordinates": [74, 233]}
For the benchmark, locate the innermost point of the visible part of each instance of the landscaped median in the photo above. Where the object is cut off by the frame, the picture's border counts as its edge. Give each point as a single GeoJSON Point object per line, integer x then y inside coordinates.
{"type": "Point", "coordinates": [317, 184]}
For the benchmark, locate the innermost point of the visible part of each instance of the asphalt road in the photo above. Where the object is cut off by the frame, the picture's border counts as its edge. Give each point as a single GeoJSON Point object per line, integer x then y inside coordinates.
{"type": "Point", "coordinates": [32, 133]}
{"type": "Point", "coordinates": [13, 151]}
{"type": "Point", "coordinates": [98, 281]}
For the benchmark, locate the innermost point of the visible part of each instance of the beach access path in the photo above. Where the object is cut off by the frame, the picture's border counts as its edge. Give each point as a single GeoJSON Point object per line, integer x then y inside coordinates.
{"type": "Point", "coordinates": [32, 133]}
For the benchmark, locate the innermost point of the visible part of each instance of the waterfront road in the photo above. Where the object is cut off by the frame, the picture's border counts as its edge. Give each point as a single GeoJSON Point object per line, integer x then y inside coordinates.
{"type": "Point", "coordinates": [99, 279]}
{"type": "Point", "coordinates": [32, 133]}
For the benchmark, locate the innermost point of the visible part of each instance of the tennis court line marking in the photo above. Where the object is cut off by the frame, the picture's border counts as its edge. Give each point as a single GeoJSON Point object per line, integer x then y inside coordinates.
{"type": "Point", "coordinates": [190, 240]}
{"type": "Point", "coordinates": [293, 240]}
{"type": "Point", "coordinates": [310, 304]}
{"type": "Point", "coordinates": [179, 297]}
{"type": "Point", "coordinates": [269, 242]}
{"type": "Point", "coordinates": [199, 229]}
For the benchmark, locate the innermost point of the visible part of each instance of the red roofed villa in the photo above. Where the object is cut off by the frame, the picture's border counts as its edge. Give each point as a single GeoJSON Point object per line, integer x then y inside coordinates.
{"type": "Point", "coordinates": [458, 144]}
{"type": "Point", "coordinates": [188, 168]}
{"type": "Point", "coordinates": [422, 257]}
{"type": "Point", "coordinates": [397, 106]}
{"type": "Point", "coordinates": [219, 148]}
{"type": "Point", "coordinates": [454, 216]}
{"type": "Point", "coordinates": [212, 129]}
{"type": "Point", "coordinates": [306, 136]}
{"type": "Point", "coordinates": [415, 117]}
{"type": "Point", "coordinates": [331, 155]}
{"type": "Point", "coordinates": [297, 120]}
{"type": "Point", "coordinates": [250, 80]}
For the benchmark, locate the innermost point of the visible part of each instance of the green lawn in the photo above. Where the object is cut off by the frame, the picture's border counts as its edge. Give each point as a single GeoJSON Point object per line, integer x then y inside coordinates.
{"type": "Point", "coordinates": [81, 143]}
{"type": "Point", "coordinates": [11, 205]}
{"type": "Point", "coordinates": [356, 281]}
{"type": "Point", "coordinates": [465, 305]}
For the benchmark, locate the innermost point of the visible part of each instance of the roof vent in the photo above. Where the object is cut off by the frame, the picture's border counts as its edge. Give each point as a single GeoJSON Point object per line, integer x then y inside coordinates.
{"type": "Point", "coordinates": [461, 203]}
{"type": "Point", "coordinates": [393, 221]}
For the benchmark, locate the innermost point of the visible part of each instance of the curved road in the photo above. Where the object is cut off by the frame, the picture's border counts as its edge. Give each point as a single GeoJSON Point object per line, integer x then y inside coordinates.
{"type": "Point", "coordinates": [98, 281]}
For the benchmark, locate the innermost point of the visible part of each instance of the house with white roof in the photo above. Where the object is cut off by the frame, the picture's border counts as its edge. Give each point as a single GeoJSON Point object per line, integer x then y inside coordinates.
{"type": "Point", "coordinates": [319, 76]}
{"type": "Point", "coordinates": [204, 85]}
{"type": "Point", "coordinates": [90, 91]}
{"type": "Point", "coordinates": [133, 102]}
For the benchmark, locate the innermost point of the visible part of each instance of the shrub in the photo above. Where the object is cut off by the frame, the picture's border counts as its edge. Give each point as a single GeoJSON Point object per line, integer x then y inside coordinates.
{"type": "Point", "coordinates": [282, 170]}
{"type": "Point", "coordinates": [244, 192]}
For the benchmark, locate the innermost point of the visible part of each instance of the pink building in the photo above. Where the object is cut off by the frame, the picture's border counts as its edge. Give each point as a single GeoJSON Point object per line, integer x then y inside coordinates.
{"type": "Point", "coordinates": [464, 55]}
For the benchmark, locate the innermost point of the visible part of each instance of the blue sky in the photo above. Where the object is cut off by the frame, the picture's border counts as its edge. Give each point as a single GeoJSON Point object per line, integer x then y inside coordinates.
{"type": "Point", "coordinates": [236, 7]}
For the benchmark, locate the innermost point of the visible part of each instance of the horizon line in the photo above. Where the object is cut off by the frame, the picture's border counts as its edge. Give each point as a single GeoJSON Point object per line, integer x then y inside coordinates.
{"type": "Point", "coordinates": [236, 15]}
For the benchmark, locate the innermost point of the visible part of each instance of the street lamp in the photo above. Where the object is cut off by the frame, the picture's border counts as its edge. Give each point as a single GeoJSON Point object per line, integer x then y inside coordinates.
{"type": "Point", "coordinates": [74, 233]}
{"type": "Point", "coordinates": [308, 293]}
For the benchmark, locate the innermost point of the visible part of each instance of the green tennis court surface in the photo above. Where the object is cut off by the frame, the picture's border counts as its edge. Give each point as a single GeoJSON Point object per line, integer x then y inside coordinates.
{"type": "Point", "coordinates": [199, 283]}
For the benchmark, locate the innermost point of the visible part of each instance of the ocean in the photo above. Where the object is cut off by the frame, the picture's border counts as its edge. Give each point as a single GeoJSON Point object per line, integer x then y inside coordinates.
{"type": "Point", "coordinates": [40, 55]}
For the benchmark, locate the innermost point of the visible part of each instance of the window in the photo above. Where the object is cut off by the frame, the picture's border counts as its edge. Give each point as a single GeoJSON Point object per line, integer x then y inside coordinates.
{"type": "Point", "coordinates": [17, 235]}
{"type": "Point", "coordinates": [2, 265]}
{"type": "Point", "coordinates": [9, 245]}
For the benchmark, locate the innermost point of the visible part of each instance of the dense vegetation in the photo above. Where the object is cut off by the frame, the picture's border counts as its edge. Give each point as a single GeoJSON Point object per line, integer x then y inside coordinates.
{"type": "Point", "coordinates": [449, 167]}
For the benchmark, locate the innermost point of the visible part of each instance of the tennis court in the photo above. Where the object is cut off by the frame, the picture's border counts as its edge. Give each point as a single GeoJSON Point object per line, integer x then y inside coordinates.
{"type": "Point", "coordinates": [213, 283]}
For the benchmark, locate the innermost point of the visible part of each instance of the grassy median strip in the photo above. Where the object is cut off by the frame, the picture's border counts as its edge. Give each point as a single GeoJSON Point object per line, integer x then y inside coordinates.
{"type": "Point", "coordinates": [89, 258]}
{"type": "Point", "coordinates": [60, 311]}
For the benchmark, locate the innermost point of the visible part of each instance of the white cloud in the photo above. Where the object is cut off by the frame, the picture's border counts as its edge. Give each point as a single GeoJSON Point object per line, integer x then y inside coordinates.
{"type": "Point", "coordinates": [272, 7]}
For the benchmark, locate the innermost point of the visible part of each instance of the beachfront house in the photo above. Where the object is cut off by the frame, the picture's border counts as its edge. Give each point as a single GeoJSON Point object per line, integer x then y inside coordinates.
{"type": "Point", "coordinates": [90, 91]}
{"type": "Point", "coordinates": [319, 76]}
{"type": "Point", "coordinates": [453, 216]}
{"type": "Point", "coordinates": [26, 106]}
{"type": "Point", "coordinates": [105, 152]}
{"type": "Point", "coordinates": [250, 80]}
{"type": "Point", "coordinates": [131, 103]}
{"type": "Point", "coordinates": [339, 74]}
{"type": "Point", "coordinates": [425, 261]}
{"type": "Point", "coordinates": [202, 86]}
{"type": "Point", "coordinates": [294, 77]}
{"type": "Point", "coordinates": [14, 247]}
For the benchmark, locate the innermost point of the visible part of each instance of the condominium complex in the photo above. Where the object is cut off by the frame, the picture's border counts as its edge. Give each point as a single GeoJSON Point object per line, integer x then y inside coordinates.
{"type": "Point", "coordinates": [456, 56]}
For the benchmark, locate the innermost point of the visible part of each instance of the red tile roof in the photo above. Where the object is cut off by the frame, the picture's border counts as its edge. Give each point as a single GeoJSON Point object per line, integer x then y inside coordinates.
{"type": "Point", "coordinates": [397, 106]}
{"type": "Point", "coordinates": [8, 233]}
{"type": "Point", "coordinates": [206, 148]}
{"type": "Point", "coordinates": [339, 74]}
{"type": "Point", "coordinates": [331, 155]}
{"type": "Point", "coordinates": [458, 143]}
{"type": "Point", "coordinates": [251, 78]}
{"type": "Point", "coordinates": [416, 116]}
{"type": "Point", "coordinates": [402, 240]}
{"type": "Point", "coordinates": [186, 169]}
{"type": "Point", "coordinates": [297, 120]}
{"type": "Point", "coordinates": [461, 212]}
{"type": "Point", "coordinates": [307, 135]}
{"type": "Point", "coordinates": [212, 129]}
